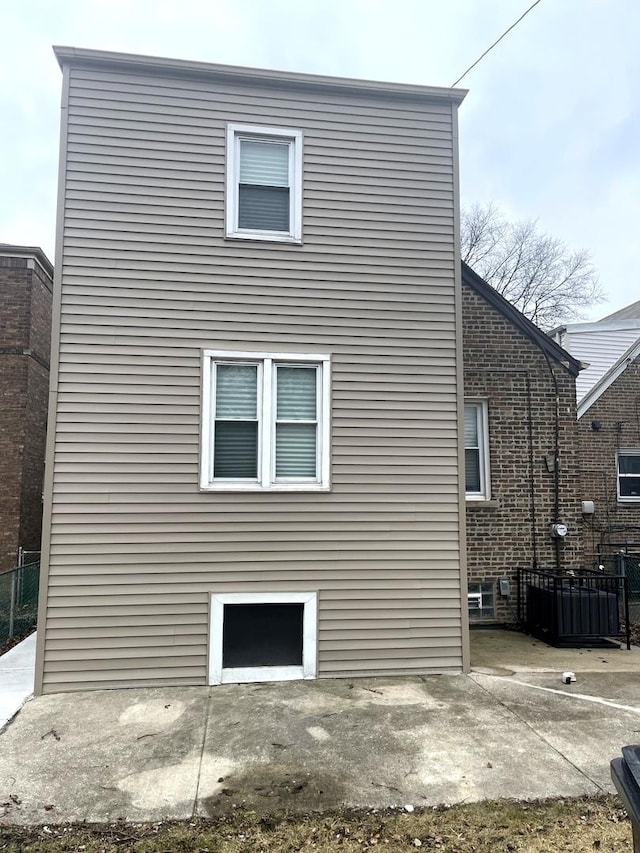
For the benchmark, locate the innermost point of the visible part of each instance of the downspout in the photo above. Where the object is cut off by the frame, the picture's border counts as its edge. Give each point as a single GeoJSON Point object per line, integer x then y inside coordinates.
{"type": "Point", "coordinates": [532, 487]}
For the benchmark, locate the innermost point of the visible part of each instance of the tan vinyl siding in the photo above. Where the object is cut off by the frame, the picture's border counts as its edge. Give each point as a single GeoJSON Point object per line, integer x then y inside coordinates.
{"type": "Point", "coordinates": [148, 281]}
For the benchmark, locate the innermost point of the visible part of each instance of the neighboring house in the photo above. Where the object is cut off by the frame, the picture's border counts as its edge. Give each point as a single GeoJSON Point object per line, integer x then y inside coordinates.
{"type": "Point", "coordinates": [608, 393]}
{"type": "Point", "coordinates": [520, 417]}
{"type": "Point", "coordinates": [25, 334]}
{"type": "Point", "coordinates": [254, 467]}
{"type": "Point", "coordinates": [599, 344]}
{"type": "Point", "coordinates": [609, 428]}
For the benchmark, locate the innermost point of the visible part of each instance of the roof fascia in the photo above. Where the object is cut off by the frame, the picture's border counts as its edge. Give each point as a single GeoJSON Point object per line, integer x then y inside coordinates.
{"type": "Point", "coordinates": [253, 76]}
{"type": "Point", "coordinates": [518, 319]}
{"type": "Point", "coordinates": [29, 252]}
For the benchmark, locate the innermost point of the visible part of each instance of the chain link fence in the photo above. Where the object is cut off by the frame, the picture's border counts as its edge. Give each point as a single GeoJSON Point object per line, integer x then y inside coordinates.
{"type": "Point", "coordinates": [19, 601]}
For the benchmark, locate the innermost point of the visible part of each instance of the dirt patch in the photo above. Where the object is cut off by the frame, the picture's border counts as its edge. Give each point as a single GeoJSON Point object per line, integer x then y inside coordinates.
{"type": "Point", "coordinates": [9, 644]}
{"type": "Point", "coordinates": [275, 788]}
{"type": "Point", "coordinates": [563, 826]}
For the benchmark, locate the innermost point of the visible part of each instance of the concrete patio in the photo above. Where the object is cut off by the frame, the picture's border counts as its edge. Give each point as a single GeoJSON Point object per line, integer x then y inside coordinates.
{"type": "Point", "coordinates": [172, 753]}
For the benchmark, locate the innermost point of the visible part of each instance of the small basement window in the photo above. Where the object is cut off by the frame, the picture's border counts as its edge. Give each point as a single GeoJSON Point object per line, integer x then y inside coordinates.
{"type": "Point", "coordinates": [262, 637]}
{"type": "Point", "coordinates": [481, 600]}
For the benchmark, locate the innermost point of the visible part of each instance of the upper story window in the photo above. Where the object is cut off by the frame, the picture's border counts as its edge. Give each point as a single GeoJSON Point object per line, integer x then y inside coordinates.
{"type": "Point", "coordinates": [476, 451]}
{"type": "Point", "coordinates": [264, 183]}
{"type": "Point", "coordinates": [265, 421]}
{"type": "Point", "coordinates": [628, 468]}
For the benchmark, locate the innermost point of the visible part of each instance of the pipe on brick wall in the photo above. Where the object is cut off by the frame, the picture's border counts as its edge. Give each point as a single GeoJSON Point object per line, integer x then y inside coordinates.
{"type": "Point", "coordinates": [556, 459]}
{"type": "Point", "coordinates": [532, 487]}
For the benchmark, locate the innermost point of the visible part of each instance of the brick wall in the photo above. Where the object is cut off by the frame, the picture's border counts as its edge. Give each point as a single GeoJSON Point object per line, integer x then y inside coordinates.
{"type": "Point", "coordinates": [504, 367]}
{"type": "Point", "coordinates": [25, 320]}
{"type": "Point", "coordinates": [618, 412]}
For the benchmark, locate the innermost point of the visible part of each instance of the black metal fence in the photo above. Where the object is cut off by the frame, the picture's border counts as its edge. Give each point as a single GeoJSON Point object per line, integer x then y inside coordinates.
{"type": "Point", "coordinates": [19, 601]}
{"type": "Point", "coordinates": [623, 559]}
{"type": "Point", "coordinates": [574, 608]}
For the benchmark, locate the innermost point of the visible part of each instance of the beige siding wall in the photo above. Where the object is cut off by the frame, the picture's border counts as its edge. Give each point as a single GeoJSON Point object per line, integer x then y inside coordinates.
{"type": "Point", "coordinates": [148, 281]}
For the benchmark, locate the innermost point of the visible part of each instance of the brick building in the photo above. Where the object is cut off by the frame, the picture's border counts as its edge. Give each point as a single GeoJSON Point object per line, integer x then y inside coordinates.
{"type": "Point", "coordinates": [520, 416]}
{"type": "Point", "coordinates": [25, 320]}
{"type": "Point", "coordinates": [609, 430]}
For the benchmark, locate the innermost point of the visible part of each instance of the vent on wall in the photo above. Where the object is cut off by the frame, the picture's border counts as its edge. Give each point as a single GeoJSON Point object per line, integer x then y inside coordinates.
{"type": "Point", "coordinates": [481, 600]}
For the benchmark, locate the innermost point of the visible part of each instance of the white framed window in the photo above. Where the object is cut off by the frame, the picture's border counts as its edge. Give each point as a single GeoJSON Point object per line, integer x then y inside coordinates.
{"type": "Point", "coordinates": [628, 475]}
{"type": "Point", "coordinates": [477, 482]}
{"type": "Point", "coordinates": [262, 636]}
{"type": "Point", "coordinates": [265, 421]}
{"type": "Point", "coordinates": [264, 183]}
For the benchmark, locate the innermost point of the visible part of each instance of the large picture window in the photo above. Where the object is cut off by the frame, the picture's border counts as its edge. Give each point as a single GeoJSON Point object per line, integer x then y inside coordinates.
{"type": "Point", "coordinates": [265, 421]}
{"type": "Point", "coordinates": [264, 183]}
{"type": "Point", "coordinates": [476, 450]}
{"type": "Point", "coordinates": [628, 469]}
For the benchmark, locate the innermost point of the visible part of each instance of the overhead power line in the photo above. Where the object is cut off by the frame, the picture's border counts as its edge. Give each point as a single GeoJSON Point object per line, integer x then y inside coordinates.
{"type": "Point", "coordinates": [497, 41]}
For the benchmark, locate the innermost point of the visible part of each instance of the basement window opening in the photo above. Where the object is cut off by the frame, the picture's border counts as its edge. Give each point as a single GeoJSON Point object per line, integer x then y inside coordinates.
{"type": "Point", "coordinates": [262, 637]}
{"type": "Point", "coordinates": [481, 600]}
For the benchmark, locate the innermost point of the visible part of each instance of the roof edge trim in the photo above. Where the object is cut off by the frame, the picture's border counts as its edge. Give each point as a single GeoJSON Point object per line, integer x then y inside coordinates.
{"type": "Point", "coordinates": [9, 250]}
{"type": "Point", "coordinates": [151, 64]}
{"type": "Point", "coordinates": [607, 379]}
{"type": "Point", "coordinates": [518, 319]}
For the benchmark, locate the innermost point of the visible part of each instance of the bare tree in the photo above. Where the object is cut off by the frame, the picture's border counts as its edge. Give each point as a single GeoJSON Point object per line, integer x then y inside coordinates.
{"type": "Point", "coordinates": [536, 273]}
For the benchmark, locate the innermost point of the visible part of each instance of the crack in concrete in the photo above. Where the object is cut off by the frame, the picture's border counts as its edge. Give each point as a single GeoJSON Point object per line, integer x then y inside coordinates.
{"type": "Point", "coordinates": [598, 700]}
{"type": "Point", "coordinates": [204, 741]}
{"type": "Point", "coordinates": [538, 734]}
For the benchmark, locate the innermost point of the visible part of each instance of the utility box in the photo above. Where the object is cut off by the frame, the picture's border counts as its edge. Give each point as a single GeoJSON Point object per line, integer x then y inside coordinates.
{"type": "Point", "coordinates": [625, 773]}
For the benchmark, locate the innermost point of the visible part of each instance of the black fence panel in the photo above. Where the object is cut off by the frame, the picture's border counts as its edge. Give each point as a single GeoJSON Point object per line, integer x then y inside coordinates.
{"type": "Point", "coordinates": [629, 566]}
{"type": "Point", "coordinates": [574, 608]}
{"type": "Point", "coordinates": [623, 559]}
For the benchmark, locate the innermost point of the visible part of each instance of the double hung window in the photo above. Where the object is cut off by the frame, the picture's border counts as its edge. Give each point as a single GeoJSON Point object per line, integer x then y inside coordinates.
{"type": "Point", "coordinates": [266, 421]}
{"type": "Point", "coordinates": [628, 470]}
{"type": "Point", "coordinates": [264, 183]}
{"type": "Point", "coordinates": [476, 451]}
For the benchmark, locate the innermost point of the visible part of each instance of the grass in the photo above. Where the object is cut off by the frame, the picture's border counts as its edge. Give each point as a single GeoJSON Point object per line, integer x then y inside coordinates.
{"type": "Point", "coordinates": [550, 826]}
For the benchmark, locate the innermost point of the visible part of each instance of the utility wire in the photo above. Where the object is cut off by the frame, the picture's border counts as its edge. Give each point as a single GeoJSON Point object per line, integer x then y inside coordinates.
{"type": "Point", "coordinates": [497, 41]}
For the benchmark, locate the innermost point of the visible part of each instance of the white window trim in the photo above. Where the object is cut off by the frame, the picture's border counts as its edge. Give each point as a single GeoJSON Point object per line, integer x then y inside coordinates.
{"type": "Point", "coordinates": [266, 439]}
{"type": "Point", "coordinates": [485, 473]}
{"type": "Point", "coordinates": [294, 137]}
{"type": "Point", "coordinates": [625, 499]}
{"type": "Point", "coordinates": [240, 675]}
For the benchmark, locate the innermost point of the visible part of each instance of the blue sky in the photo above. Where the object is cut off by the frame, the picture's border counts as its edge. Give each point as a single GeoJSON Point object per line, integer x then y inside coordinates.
{"type": "Point", "coordinates": [550, 128]}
